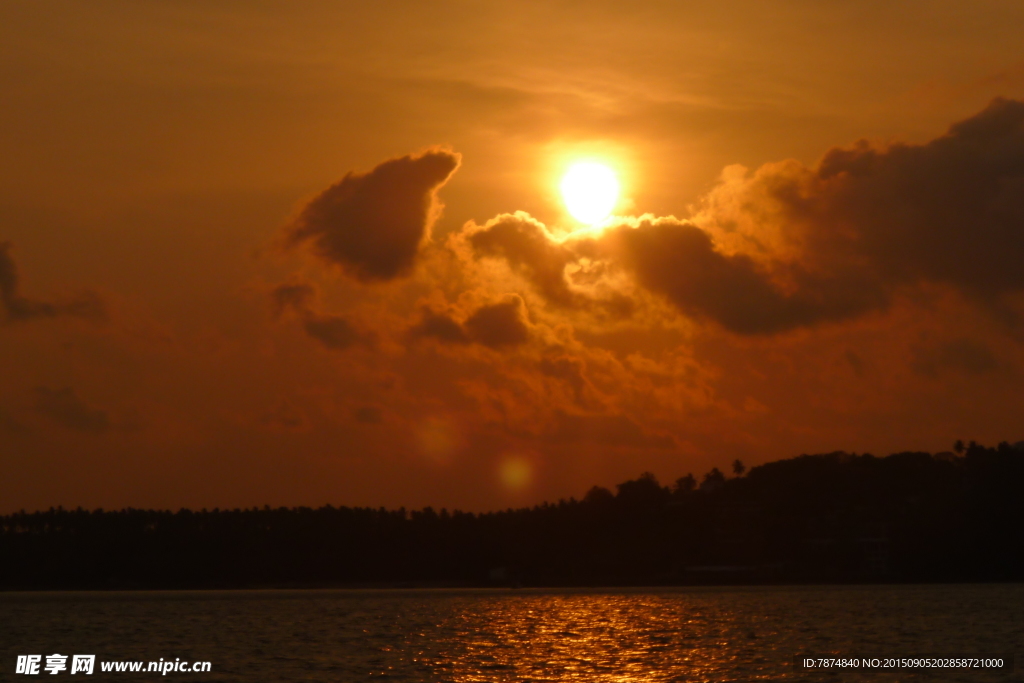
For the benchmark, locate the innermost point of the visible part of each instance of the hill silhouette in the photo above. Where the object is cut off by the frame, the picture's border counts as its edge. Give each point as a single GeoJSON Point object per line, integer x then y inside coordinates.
{"type": "Point", "coordinates": [836, 517]}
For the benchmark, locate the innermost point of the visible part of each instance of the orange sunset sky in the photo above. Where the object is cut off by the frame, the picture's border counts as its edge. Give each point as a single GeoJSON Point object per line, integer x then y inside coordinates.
{"type": "Point", "coordinates": [305, 253]}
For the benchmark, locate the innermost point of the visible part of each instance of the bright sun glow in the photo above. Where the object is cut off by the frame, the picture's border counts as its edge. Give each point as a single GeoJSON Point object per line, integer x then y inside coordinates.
{"type": "Point", "coordinates": [590, 191]}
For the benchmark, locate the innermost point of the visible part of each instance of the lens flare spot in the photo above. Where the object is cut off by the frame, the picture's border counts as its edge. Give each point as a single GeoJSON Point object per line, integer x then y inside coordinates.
{"type": "Point", "coordinates": [515, 472]}
{"type": "Point", "coordinates": [590, 191]}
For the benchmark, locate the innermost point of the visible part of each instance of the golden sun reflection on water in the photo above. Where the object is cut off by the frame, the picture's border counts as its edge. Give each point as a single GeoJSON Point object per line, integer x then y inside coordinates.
{"type": "Point", "coordinates": [598, 638]}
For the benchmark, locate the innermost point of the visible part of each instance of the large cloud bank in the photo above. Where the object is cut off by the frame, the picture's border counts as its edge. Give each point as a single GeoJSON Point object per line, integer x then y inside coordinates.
{"type": "Point", "coordinates": [541, 329]}
{"type": "Point", "coordinates": [790, 246]}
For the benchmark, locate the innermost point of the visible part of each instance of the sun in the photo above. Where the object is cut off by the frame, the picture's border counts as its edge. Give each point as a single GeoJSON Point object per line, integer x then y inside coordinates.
{"type": "Point", "coordinates": [590, 191]}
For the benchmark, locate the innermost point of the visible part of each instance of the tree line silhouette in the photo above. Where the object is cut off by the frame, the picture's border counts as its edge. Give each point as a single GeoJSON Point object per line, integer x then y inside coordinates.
{"type": "Point", "coordinates": [837, 517]}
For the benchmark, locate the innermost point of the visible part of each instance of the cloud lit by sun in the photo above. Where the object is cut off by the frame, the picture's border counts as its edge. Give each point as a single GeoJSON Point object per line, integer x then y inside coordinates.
{"type": "Point", "coordinates": [590, 191]}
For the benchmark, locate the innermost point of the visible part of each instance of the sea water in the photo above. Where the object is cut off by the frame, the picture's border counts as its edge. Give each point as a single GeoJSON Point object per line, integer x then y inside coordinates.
{"type": "Point", "coordinates": [682, 634]}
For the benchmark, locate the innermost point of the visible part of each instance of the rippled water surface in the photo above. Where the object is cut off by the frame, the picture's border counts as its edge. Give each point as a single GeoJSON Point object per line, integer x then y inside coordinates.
{"type": "Point", "coordinates": [687, 634]}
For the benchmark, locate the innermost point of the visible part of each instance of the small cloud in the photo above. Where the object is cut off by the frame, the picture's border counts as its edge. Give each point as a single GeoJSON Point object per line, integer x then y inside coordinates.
{"type": "Point", "coordinates": [856, 363]}
{"type": "Point", "coordinates": [501, 324]}
{"type": "Point", "coordinates": [295, 296]}
{"type": "Point", "coordinates": [9, 425]}
{"type": "Point", "coordinates": [568, 370]}
{"type": "Point", "coordinates": [367, 415]}
{"type": "Point", "coordinates": [495, 325]}
{"type": "Point", "coordinates": [333, 331]}
{"type": "Point", "coordinates": [963, 355]}
{"type": "Point", "coordinates": [64, 407]}
{"type": "Point", "coordinates": [17, 308]}
{"type": "Point", "coordinates": [439, 326]}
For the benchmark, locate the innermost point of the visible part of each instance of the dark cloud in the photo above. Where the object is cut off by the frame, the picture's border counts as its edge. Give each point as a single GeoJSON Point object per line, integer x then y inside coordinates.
{"type": "Point", "coordinates": [526, 245]}
{"type": "Point", "coordinates": [530, 250]}
{"type": "Point", "coordinates": [951, 210]}
{"type": "Point", "coordinates": [501, 324]}
{"type": "Point", "coordinates": [856, 363]}
{"type": "Point", "coordinates": [333, 331]}
{"type": "Point", "coordinates": [618, 306]}
{"type": "Point", "coordinates": [679, 260]}
{"type": "Point", "coordinates": [841, 237]}
{"type": "Point", "coordinates": [964, 355]}
{"type": "Point", "coordinates": [9, 425]}
{"type": "Point", "coordinates": [17, 308]}
{"type": "Point", "coordinates": [495, 325]}
{"type": "Point", "coordinates": [568, 370]}
{"type": "Point", "coordinates": [367, 415]}
{"type": "Point", "coordinates": [297, 297]}
{"type": "Point", "coordinates": [608, 430]}
{"type": "Point", "coordinates": [64, 407]}
{"type": "Point", "coordinates": [439, 326]}
{"type": "Point", "coordinates": [372, 224]}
